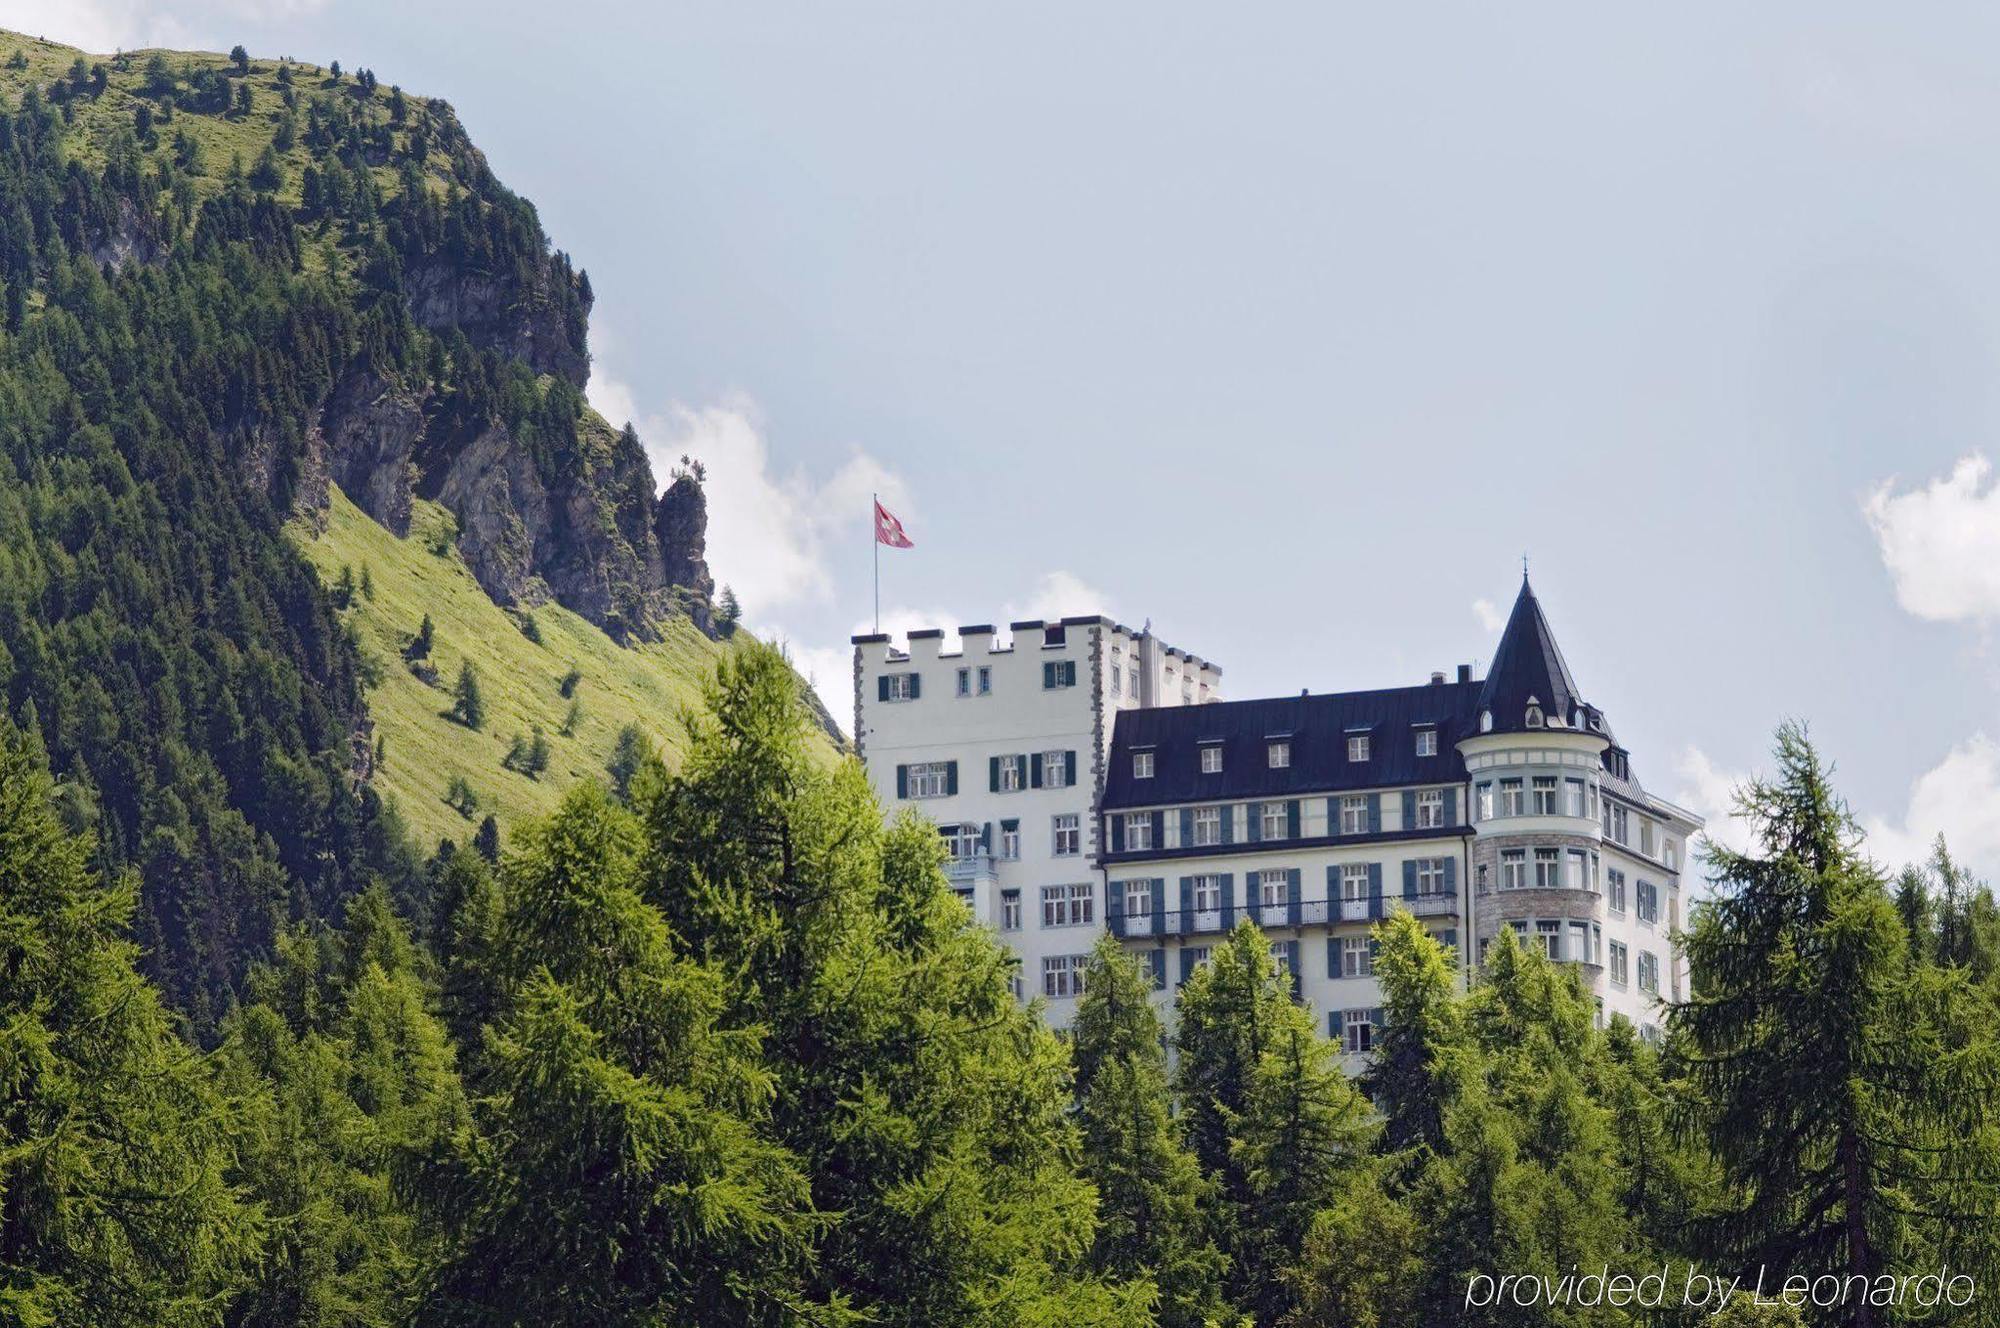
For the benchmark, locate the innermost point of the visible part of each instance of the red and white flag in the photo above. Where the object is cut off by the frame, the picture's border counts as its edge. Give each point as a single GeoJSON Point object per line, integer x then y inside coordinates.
{"type": "Point", "coordinates": [888, 530]}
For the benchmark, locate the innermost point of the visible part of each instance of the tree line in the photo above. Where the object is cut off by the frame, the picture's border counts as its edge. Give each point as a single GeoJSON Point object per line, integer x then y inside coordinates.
{"type": "Point", "coordinates": [721, 1047]}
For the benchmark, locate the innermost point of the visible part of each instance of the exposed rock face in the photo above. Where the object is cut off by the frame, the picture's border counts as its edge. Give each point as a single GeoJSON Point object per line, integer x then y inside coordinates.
{"type": "Point", "coordinates": [681, 527]}
{"type": "Point", "coordinates": [501, 313]}
{"type": "Point", "coordinates": [130, 238]}
{"type": "Point", "coordinates": [367, 433]}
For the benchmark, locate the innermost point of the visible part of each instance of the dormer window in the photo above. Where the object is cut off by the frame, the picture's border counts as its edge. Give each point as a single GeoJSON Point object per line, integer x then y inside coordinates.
{"type": "Point", "coordinates": [1486, 721]}
{"type": "Point", "coordinates": [1357, 746]}
{"type": "Point", "coordinates": [1142, 765]}
{"type": "Point", "coordinates": [1427, 741]}
{"type": "Point", "coordinates": [1278, 755]}
{"type": "Point", "coordinates": [1534, 713]}
{"type": "Point", "coordinates": [1211, 758]}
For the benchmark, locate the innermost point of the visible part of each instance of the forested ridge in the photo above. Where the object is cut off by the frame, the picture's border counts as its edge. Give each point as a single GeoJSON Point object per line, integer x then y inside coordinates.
{"type": "Point", "coordinates": [712, 1043]}
{"type": "Point", "coordinates": [225, 286]}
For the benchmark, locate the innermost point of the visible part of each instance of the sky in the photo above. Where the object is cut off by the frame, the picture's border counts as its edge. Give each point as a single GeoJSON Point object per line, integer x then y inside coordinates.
{"type": "Point", "coordinates": [1293, 329]}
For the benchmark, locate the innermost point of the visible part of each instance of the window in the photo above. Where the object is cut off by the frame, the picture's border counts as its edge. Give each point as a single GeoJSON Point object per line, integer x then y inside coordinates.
{"type": "Point", "coordinates": [1576, 870]}
{"type": "Point", "coordinates": [1068, 905]}
{"type": "Point", "coordinates": [1547, 868]}
{"type": "Point", "coordinates": [1617, 823]}
{"type": "Point", "coordinates": [1645, 836]}
{"type": "Point", "coordinates": [965, 682]}
{"type": "Point", "coordinates": [1648, 902]}
{"type": "Point", "coordinates": [1068, 835]}
{"type": "Point", "coordinates": [899, 687]}
{"type": "Point", "coordinates": [1010, 840]}
{"type": "Point", "coordinates": [1534, 716]}
{"type": "Point", "coordinates": [1054, 635]}
{"type": "Point", "coordinates": [1132, 678]}
{"type": "Point", "coordinates": [930, 779]}
{"type": "Point", "coordinates": [1207, 825]}
{"type": "Point", "coordinates": [1354, 881]}
{"type": "Point", "coordinates": [1544, 803]}
{"type": "Point", "coordinates": [985, 680]}
{"type": "Point", "coordinates": [1193, 957]}
{"type": "Point", "coordinates": [1486, 801]}
{"type": "Point", "coordinates": [1618, 963]}
{"type": "Point", "coordinates": [1062, 975]}
{"type": "Point", "coordinates": [1207, 894]}
{"type": "Point", "coordinates": [1117, 675]}
{"type": "Point", "coordinates": [1012, 777]}
{"type": "Point", "coordinates": [1354, 815]}
{"type": "Point", "coordinates": [1138, 899]}
{"type": "Point", "coordinates": [1548, 938]}
{"type": "Point", "coordinates": [1513, 868]}
{"type": "Point", "coordinates": [1430, 876]}
{"type": "Point", "coordinates": [1573, 797]}
{"type": "Point", "coordinates": [1142, 765]}
{"type": "Point", "coordinates": [1670, 853]}
{"type": "Point", "coordinates": [1430, 809]}
{"type": "Point", "coordinates": [1058, 673]}
{"type": "Point", "coordinates": [1649, 972]}
{"type": "Point", "coordinates": [1010, 911]}
{"type": "Point", "coordinates": [1273, 820]}
{"type": "Point", "coordinates": [1579, 951]}
{"type": "Point", "coordinates": [1139, 832]}
{"type": "Point", "coordinates": [1357, 746]}
{"type": "Point", "coordinates": [1357, 957]}
{"type": "Point", "coordinates": [1427, 742]}
{"type": "Point", "coordinates": [1278, 755]}
{"type": "Point", "coordinates": [1614, 889]}
{"type": "Point", "coordinates": [1359, 1026]}
{"type": "Point", "coordinates": [1510, 797]}
{"type": "Point", "coordinates": [1055, 769]}
{"type": "Point", "coordinates": [962, 841]}
{"type": "Point", "coordinates": [1211, 759]}
{"type": "Point", "coordinates": [1274, 887]}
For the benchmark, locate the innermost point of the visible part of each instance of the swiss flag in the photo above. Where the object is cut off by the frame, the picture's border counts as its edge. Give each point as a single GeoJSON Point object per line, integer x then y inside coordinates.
{"type": "Point", "coordinates": [888, 530]}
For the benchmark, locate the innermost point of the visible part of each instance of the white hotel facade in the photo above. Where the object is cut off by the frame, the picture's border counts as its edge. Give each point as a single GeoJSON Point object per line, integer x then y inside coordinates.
{"type": "Point", "coordinates": [1089, 777]}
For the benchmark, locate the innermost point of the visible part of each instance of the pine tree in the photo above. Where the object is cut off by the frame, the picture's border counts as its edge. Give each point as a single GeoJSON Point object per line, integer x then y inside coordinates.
{"type": "Point", "coordinates": [240, 58]}
{"type": "Point", "coordinates": [420, 644]}
{"type": "Point", "coordinates": [728, 612]}
{"type": "Point", "coordinates": [611, 1060]}
{"type": "Point", "coordinates": [1812, 1048]}
{"type": "Point", "coordinates": [950, 1175]}
{"type": "Point", "coordinates": [632, 752]}
{"type": "Point", "coordinates": [115, 1149]}
{"type": "Point", "coordinates": [486, 840]}
{"type": "Point", "coordinates": [1423, 1045]}
{"type": "Point", "coordinates": [467, 707]}
{"type": "Point", "coordinates": [1150, 1192]}
{"type": "Point", "coordinates": [571, 718]}
{"type": "Point", "coordinates": [537, 759]}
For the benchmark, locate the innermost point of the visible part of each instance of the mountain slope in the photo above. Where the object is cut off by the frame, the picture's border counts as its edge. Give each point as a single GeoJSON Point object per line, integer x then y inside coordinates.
{"type": "Point", "coordinates": [231, 292]}
{"type": "Point", "coordinates": [645, 683]}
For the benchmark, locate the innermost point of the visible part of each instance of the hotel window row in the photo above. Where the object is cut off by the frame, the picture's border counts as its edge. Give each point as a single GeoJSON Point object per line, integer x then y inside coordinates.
{"type": "Point", "coordinates": [1278, 752]}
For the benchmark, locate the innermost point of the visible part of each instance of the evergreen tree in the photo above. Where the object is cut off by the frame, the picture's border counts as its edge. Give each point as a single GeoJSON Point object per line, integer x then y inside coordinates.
{"type": "Point", "coordinates": [420, 644]}
{"type": "Point", "coordinates": [486, 840]}
{"type": "Point", "coordinates": [949, 1175]}
{"type": "Point", "coordinates": [240, 58]}
{"type": "Point", "coordinates": [611, 1060]}
{"type": "Point", "coordinates": [567, 687]}
{"type": "Point", "coordinates": [1271, 1117]}
{"type": "Point", "coordinates": [1823, 1065]}
{"type": "Point", "coordinates": [571, 718]}
{"type": "Point", "coordinates": [1423, 1045]}
{"type": "Point", "coordinates": [633, 751]}
{"type": "Point", "coordinates": [728, 612]}
{"type": "Point", "coordinates": [115, 1149]}
{"type": "Point", "coordinates": [467, 707]}
{"type": "Point", "coordinates": [1150, 1192]}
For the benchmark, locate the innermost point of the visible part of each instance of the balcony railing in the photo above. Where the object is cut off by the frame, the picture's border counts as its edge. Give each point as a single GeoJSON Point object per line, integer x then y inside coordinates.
{"type": "Point", "coordinates": [967, 872]}
{"type": "Point", "coordinates": [1271, 917]}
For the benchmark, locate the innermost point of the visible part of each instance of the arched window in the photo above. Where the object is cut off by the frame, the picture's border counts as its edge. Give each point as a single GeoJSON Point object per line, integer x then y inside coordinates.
{"type": "Point", "coordinates": [1486, 721]}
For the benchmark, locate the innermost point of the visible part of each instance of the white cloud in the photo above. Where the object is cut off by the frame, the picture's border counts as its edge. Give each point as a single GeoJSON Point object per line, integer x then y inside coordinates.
{"type": "Point", "coordinates": [104, 26]}
{"type": "Point", "coordinates": [1058, 595]}
{"type": "Point", "coordinates": [1958, 798]}
{"type": "Point", "coordinates": [1490, 618]}
{"type": "Point", "coordinates": [772, 534]}
{"type": "Point", "coordinates": [1941, 543]}
{"type": "Point", "coordinates": [1710, 792]}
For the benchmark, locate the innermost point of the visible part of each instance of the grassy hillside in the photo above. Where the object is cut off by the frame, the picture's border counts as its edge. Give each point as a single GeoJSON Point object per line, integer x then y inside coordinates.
{"type": "Point", "coordinates": [519, 679]}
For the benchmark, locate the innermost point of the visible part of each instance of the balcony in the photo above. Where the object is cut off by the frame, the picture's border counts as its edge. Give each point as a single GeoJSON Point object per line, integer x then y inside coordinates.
{"type": "Point", "coordinates": [971, 872]}
{"type": "Point", "coordinates": [1274, 917]}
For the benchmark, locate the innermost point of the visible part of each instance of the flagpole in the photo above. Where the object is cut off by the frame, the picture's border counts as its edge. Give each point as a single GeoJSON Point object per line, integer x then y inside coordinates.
{"type": "Point", "coordinates": [875, 542]}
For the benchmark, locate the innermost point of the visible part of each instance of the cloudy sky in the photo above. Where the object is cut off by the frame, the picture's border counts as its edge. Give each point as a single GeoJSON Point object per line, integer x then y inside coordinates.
{"type": "Point", "coordinates": [1293, 328]}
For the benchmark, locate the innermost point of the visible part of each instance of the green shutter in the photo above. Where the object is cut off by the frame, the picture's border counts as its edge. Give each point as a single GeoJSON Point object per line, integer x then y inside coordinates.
{"type": "Point", "coordinates": [902, 781]}
{"type": "Point", "coordinates": [1409, 878]}
{"type": "Point", "coordinates": [916, 685]}
{"type": "Point", "coordinates": [951, 778]}
{"type": "Point", "coordinates": [1292, 819]}
{"type": "Point", "coordinates": [1293, 895]}
{"type": "Point", "coordinates": [1374, 813]}
{"type": "Point", "coordinates": [1035, 770]}
{"type": "Point", "coordinates": [1253, 822]}
{"type": "Point", "coordinates": [1227, 815]}
{"type": "Point", "coordinates": [1451, 877]}
{"type": "Point", "coordinates": [1159, 893]}
{"type": "Point", "coordinates": [1409, 809]}
{"type": "Point", "coordinates": [1375, 890]}
{"type": "Point", "coordinates": [1187, 827]}
{"type": "Point", "coordinates": [882, 687]}
{"type": "Point", "coordinates": [1228, 900]}
{"type": "Point", "coordinates": [1069, 769]}
{"type": "Point", "coordinates": [1451, 806]}
{"type": "Point", "coordinates": [992, 774]}
{"type": "Point", "coordinates": [1158, 960]}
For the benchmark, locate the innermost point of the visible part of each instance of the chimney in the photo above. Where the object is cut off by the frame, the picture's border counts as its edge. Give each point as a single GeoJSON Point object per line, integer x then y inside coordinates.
{"type": "Point", "coordinates": [1437, 679]}
{"type": "Point", "coordinates": [1465, 673]}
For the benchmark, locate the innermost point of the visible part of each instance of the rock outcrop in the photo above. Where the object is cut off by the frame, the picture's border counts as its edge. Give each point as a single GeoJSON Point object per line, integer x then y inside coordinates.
{"type": "Point", "coordinates": [680, 525]}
